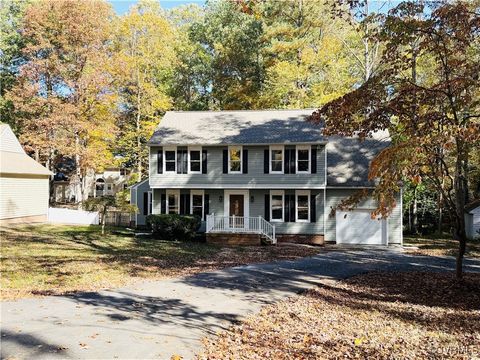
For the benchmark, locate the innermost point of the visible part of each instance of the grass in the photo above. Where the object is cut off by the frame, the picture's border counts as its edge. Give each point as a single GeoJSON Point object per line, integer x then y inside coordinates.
{"type": "Point", "coordinates": [414, 315]}
{"type": "Point", "coordinates": [440, 245]}
{"type": "Point", "coordinates": [49, 259]}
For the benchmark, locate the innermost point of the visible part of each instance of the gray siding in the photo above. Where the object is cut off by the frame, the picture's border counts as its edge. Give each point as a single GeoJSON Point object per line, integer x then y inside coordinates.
{"type": "Point", "coordinates": [136, 198]}
{"type": "Point", "coordinates": [254, 179]}
{"type": "Point", "coordinates": [334, 196]}
{"type": "Point", "coordinates": [258, 208]}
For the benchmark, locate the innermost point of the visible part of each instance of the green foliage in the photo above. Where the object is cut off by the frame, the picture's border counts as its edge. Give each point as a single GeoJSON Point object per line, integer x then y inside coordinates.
{"type": "Point", "coordinates": [173, 226]}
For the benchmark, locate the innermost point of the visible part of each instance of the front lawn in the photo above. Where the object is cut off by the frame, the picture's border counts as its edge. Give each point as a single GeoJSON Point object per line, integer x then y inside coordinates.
{"type": "Point", "coordinates": [439, 245]}
{"type": "Point", "coordinates": [49, 259]}
{"type": "Point", "coordinates": [372, 316]}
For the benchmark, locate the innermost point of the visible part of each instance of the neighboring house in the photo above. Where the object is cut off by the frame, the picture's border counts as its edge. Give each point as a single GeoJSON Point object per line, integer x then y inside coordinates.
{"type": "Point", "coordinates": [109, 182]}
{"type": "Point", "coordinates": [24, 183]}
{"type": "Point", "coordinates": [269, 173]}
{"type": "Point", "coordinates": [472, 219]}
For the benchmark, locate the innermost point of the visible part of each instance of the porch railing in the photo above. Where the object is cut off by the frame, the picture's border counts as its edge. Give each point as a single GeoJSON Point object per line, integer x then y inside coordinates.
{"type": "Point", "coordinates": [241, 224]}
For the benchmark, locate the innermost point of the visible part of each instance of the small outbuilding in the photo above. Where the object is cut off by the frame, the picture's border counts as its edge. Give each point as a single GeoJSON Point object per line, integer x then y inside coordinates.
{"type": "Point", "coordinates": [472, 219]}
{"type": "Point", "coordinates": [24, 183]}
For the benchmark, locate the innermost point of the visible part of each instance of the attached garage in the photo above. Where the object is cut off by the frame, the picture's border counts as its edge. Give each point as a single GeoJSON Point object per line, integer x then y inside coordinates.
{"type": "Point", "coordinates": [24, 183]}
{"type": "Point", "coordinates": [357, 227]}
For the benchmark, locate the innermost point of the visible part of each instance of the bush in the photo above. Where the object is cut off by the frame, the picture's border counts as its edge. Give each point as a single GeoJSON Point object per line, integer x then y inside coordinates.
{"type": "Point", "coordinates": [173, 226]}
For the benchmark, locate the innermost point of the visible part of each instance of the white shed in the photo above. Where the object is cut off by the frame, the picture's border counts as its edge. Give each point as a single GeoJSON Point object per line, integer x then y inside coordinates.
{"type": "Point", "coordinates": [472, 219]}
{"type": "Point", "coordinates": [24, 183]}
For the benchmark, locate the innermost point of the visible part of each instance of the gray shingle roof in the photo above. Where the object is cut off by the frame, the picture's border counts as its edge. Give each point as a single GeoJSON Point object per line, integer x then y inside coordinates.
{"type": "Point", "coordinates": [235, 127]}
{"type": "Point", "coordinates": [348, 158]}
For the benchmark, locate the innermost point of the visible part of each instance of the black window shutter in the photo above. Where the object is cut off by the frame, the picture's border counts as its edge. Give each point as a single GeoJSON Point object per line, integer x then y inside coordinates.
{"type": "Point", "coordinates": [204, 161]}
{"type": "Point", "coordinates": [286, 162]}
{"type": "Point", "coordinates": [182, 205]}
{"type": "Point", "coordinates": [314, 159]}
{"type": "Point", "coordinates": [179, 161]}
{"type": "Point", "coordinates": [266, 160]}
{"type": "Point", "coordinates": [187, 204]}
{"type": "Point", "coordinates": [160, 161]}
{"type": "Point", "coordinates": [245, 161]}
{"type": "Point", "coordinates": [145, 203]}
{"type": "Point", "coordinates": [225, 161]}
{"type": "Point", "coordinates": [286, 208]}
{"type": "Point", "coordinates": [206, 205]}
{"type": "Point", "coordinates": [292, 161]}
{"type": "Point", "coordinates": [313, 208]}
{"type": "Point", "coordinates": [292, 208]}
{"type": "Point", "coordinates": [267, 207]}
{"type": "Point", "coordinates": [163, 201]}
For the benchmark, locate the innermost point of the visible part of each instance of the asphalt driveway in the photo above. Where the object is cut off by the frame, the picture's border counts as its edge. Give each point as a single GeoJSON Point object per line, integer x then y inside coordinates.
{"type": "Point", "coordinates": [157, 319]}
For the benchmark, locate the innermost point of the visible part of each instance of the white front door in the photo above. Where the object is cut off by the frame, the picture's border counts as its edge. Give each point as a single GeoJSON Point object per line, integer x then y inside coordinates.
{"type": "Point", "coordinates": [357, 227]}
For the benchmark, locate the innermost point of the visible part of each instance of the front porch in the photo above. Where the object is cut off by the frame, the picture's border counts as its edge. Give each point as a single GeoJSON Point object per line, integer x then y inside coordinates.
{"type": "Point", "coordinates": [239, 228]}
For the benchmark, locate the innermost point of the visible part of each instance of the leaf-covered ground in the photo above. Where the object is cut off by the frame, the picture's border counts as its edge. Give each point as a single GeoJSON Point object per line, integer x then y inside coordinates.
{"type": "Point", "coordinates": [47, 259]}
{"type": "Point", "coordinates": [373, 316]}
{"type": "Point", "coordinates": [439, 245]}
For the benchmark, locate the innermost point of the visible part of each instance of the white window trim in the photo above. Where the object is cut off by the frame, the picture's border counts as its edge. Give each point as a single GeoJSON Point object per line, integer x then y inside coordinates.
{"type": "Point", "coordinates": [276, 147]}
{"type": "Point", "coordinates": [309, 149]}
{"type": "Point", "coordinates": [175, 192]}
{"type": "Point", "coordinates": [165, 149]}
{"type": "Point", "coordinates": [246, 202]}
{"type": "Point", "coordinates": [302, 193]}
{"type": "Point", "coordinates": [241, 159]}
{"type": "Point", "coordinates": [194, 148]}
{"type": "Point", "coordinates": [282, 193]}
{"type": "Point", "coordinates": [197, 192]}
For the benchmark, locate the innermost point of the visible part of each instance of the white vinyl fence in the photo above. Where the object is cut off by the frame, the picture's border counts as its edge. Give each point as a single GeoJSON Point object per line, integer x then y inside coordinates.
{"type": "Point", "coordinates": [71, 216]}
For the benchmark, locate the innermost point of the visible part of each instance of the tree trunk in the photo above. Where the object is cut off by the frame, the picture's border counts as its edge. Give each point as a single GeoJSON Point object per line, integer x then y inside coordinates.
{"type": "Point", "coordinates": [460, 187]}
{"type": "Point", "coordinates": [415, 212]}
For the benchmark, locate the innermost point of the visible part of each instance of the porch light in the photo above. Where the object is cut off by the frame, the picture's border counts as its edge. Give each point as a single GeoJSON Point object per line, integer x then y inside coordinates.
{"type": "Point", "coordinates": [220, 198]}
{"type": "Point", "coordinates": [252, 199]}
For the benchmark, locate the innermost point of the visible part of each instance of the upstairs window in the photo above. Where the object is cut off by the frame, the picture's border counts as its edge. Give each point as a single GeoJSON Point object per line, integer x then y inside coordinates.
{"type": "Point", "coordinates": [195, 163]}
{"type": "Point", "coordinates": [170, 160]}
{"type": "Point", "coordinates": [303, 159]}
{"type": "Point", "coordinates": [276, 159]}
{"type": "Point", "coordinates": [302, 206]}
{"type": "Point", "coordinates": [235, 159]}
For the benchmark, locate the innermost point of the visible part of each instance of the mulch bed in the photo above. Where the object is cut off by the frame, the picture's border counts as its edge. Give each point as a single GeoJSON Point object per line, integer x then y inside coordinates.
{"type": "Point", "coordinates": [413, 315]}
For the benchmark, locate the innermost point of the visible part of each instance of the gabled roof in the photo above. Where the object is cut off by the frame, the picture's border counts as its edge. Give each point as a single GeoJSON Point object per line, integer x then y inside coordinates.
{"type": "Point", "coordinates": [235, 127]}
{"type": "Point", "coordinates": [348, 157]}
{"type": "Point", "coordinates": [13, 159]}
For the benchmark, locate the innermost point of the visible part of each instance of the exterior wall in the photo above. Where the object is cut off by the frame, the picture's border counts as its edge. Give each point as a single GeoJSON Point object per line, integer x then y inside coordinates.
{"type": "Point", "coordinates": [254, 179]}
{"type": "Point", "coordinates": [22, 196]}
{"type": "Point", "coordinates": [25, 220]}
{"type": "Point", "coordinates": [258, 208]}
{"type": "Point", "coordinates": [334, 196]}
{"type": "Point", "coordinates": [473, 223]}
{"type": "Point", "coordinates": [136, 198]}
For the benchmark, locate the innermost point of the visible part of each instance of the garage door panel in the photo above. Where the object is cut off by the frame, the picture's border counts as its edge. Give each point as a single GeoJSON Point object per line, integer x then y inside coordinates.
{"type": "Point", "coordinates": [357, 227]}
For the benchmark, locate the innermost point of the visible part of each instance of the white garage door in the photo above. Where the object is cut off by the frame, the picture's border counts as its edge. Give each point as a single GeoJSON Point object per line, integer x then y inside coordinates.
{"type": "Point", "coordinates": [356, 227]}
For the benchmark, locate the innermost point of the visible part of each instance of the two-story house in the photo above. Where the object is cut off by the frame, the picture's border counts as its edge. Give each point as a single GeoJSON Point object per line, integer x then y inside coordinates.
{"type": "Point", "coordinates": [268, 173]}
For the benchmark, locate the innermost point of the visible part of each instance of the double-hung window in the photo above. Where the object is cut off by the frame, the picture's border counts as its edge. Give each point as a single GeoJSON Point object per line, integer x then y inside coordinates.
{"type": "Point", "coordinates": [276, 159]}
{"type": "Point", "coordinates": [195, 160]}
{"type": "Point", "coordinates": [173, 201]}
{"type": "Point", "coordinates": [196, 203]}
{"type": "Point", "coordinates": [235, 160]}
{"type": "Point", "coordinates": [303, 159]}
{"type": "Point", "coordinates": [170, 159]}
{"type": "Point", "coordinates": [276, 205]}
{"type": "Point", "coordinates": [302, 206]}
